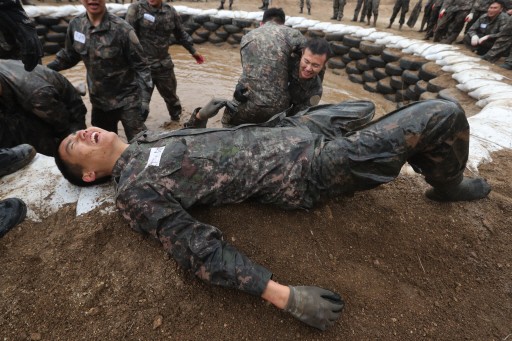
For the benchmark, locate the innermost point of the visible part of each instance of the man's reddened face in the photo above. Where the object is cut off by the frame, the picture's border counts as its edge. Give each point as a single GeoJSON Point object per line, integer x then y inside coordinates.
{"type": "Point", "coordinates": [94, 6]}
{"type": "Point", "coordinates": [494, 9]}
{"type": "Point", "coordinates": [155, 3]}
{"type": "Point", "coordinates": [311, 64]}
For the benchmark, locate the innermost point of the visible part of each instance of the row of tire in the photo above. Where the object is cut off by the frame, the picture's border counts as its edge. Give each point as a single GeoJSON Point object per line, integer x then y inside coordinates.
{"type": "Point", "coordinates": [399, 77]}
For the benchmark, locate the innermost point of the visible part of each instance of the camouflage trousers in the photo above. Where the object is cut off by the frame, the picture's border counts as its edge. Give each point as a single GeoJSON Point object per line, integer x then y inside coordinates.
{"type": "Point", "coordinates": [449, 26]}
{"type": "Point", "coordinates": [400, 5]}
{"type": "Point", "coordinates": [130, 116]}
{"type": "Point", "coordinates": [502, 45]}
{"type": "Point", "coordinates": [165, 81]}
{"type": "Point", "coordinates": [360, 3]}
{"type": "Point", "coordinates": [432, 136]}
{"type": "Point", "coordinates": [338, 6]}
{"type": "Point", "coordinates": [308, 4]}
{"type": "Point", "coordinates": [249, 112]}
{"type": "Point", "coordinates": [432, 21]}
{"type": "Point", "coordinates": [372, 7]}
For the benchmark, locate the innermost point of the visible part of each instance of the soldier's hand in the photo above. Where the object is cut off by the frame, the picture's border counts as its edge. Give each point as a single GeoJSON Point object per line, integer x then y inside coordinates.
{"type": "Point", "coordinates": [199, 58]}
{"type": "Point", "coordinates": [441, 14]}
{"type": "Point", "coordinates": [144, 111]}
{"type": "Point", "coordinates": [211, 109]}
{"type": "Point", "coordinates": [240, 93]}
{"type": "Point", "coordinates": [481, 40]}
{"type": "Point", "coordinates": [474, 40]}
{"type": "Point", "coordinates": [469, 17]}
{"type": "Point", "coordinates": [315, 306]}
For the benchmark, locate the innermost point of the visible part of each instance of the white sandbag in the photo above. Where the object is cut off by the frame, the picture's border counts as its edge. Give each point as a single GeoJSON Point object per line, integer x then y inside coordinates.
{"type": "Point", "coordinates": [436, 48]}
{"type": "Point", "coordinates": [42, 11]}
{"type": "Point", "coordinates": [224, 14]}
{"type": "Point", "coordinates": [323, 26]}
{"type": "Point", "coordinates": [474, 84]}
{"type": "Point", "coordinates": [466, 75]}
{"type": "Point", "coordinates": [484, 102]}
{"type": "Point", "coordinates": [291, 21]}
{"type": "Point", "coordinates": [442, 54]}
{"type": "Point", "coordinates": [376, 35]}
{"type": "Point", "coordinates": [456, 59]}
{"type": "Point", "coordinates": [306, 23]}
{"type": "Point", "coordinates": [117, 8]}
{"type": "Point", "coordinates": [389, 40]}
{"type": "Point", "coordinates": [255, 16]}
{"type": "Point", "coordinates": [488, 90]}
{"type": "Point", "coordinates": [454, 68]}
{"type": "Point", "coordinates": [502, 103]}
{"type": "Point", "coordinates": [417, 48]}
{"type": "Point", "coordinates": [364, 32]}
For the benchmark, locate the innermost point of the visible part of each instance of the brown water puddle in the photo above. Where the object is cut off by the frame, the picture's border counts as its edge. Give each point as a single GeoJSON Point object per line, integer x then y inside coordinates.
{"type": "Point", "coordinates": [217, 77]}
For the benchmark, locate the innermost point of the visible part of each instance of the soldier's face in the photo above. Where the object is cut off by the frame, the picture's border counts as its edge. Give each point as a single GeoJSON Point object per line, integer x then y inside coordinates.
{"type": "Point", "coordinates": [311, 64]}
{"type": "Point", "coordinates": [94, 7]}
{"type": "Point", "coordinates": [155, 3]}
{"type": "Point", "coordinates": [494, 9]}
{"type": "Point", "coordinates": [88, 148]}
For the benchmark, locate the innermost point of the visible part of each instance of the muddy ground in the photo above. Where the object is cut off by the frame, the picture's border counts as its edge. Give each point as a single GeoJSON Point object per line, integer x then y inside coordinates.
{"type": "Point", "coordinates": [407, 267]}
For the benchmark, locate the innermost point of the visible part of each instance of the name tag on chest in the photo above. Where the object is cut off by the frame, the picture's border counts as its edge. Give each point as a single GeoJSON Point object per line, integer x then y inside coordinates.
{"type": "Point", "coordinates": [155, 154]}
{"type": "Point", "coordinates": [80, 37]}
{"type": "Point", "coordinates": [483, 26]}
{"type": "Point", "coordinates": [149, 17]}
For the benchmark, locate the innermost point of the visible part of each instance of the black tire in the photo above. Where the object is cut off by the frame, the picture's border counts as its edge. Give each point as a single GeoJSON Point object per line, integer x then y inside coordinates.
{"type": "Point", "coordinates": [334, 37]}
{"type": "Point", "coordinates": [55, 37]}
{"type": "Point", "coordinates": [222, 34]}
{"type": "Point", "coordinates": [428, 95]}
{"type": "Point", "coordinates": [335, 63]}
{"type": "Point", "coordinates": [192, 25]}
{"type": "Point", "coordinates": [202, 33]}
{"type": "Point", "coordinates": [442, 82]}
{"type": "Point", "coordinates": [394, 69]}
{"type": "Point", "coordinates": [187, 29]}
{"type": "Point", "coordinates": [451, 94]}
{"type": "Point", "coordinates": [420, 87]}
{"type": "Point", "coordinates": [369, 77]}
{"type": "Point", "coordinates": [411, 62]}
{"type": "Point", "coordinates": [201, 19]}
{"type": "Point", "coordinates": [410, 93]}
{"type": "Point", "coordinates": [376, 61]}
{"type": "Point", "coordinates": [384, 86]}
{"type": "Point", "coordinates": [370, 86]}
{"type": "Point", "coordinates": [50, 48]}
{"type": "Point", "coordinates": [198, 39]}
{"type": "Point", "coordinates": [338, 48]}
{"type": "Point", "coordinates": [391, 97]}
{"type": "Point", "coordinates": [232, 28]}
{"type": "Point", "coordinates": [41, 30]}
{"type": "Point", "coordinates": [47, 21]}
{"type": "Point", "coordinates": [362, 65]}
{"type": "Point", "coordinates": [237, 36]}
{"type": "Point", "coordinates": [41, 39]}
{"type": "Point", "coordinates": [351, 41]}
{"type": "Point", "coordinates": [400, 96]}
{"type": "Point", "coordinates": [220, 21]}
{"type": "Point", "coordinates": [242, 23]}
{"type": "Point", "coordinates": [172, 39]}
{"type": "Point", "coordinates": [215, 39]}
{"type": "Point", "coordinates": [397, 83]}
{"type": "Point", "coordinates": [391, 55]}
{"type": "Point", "coordinates": [315, 33]}
{"type": "Point", "coordinates": [430, 71]}
{"type": "Point", "coordinates": [380, 73]}
{"type": "Point", "coordinates": [410, 77]}
{"type": "Point", "coordinates": [371, 48]}
{"type": "Point", "coordinates": [247, 30]}
{"type": "Point", "coordinates": [352, 69]}
{"type": "Point", "coordinates": [346, 58]}
{"type": "Point", "coordinates": [356, 79]}
{"type": "Point", "coordinates": [355, 54]}
{"type": "Point", "coordinates": [60, 28]}
{"type": "Point", "coordinates": [185, 17]}
{"type": "Point", "coordinates": [211, 26]}
{"type": "Point", "coordinates": [232, 41]}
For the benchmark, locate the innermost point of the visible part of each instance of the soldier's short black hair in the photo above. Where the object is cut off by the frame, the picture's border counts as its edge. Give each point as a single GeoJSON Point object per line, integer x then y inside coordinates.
{"type": "Point", "coordinates": [319, 46]}
{"type": "Point", "coordinates": [275, 14]}
{"type": "Point", "coordinates": [501, 2]}
{"type": "Point", "coordinates": [73, 173]}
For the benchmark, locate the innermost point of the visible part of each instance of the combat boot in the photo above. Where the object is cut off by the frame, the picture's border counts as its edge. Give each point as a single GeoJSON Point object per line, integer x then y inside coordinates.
{"type": "Point", "coordinates": [230, 5]}
{"type": "Point", "coordinates": [12, 212]}
{"type": "Point", "coordinates": [12, 159]}
{"type": "Point", "coordinates": [309, 11]}
{"type": "Point", "coordinates": [400, 27]}
{"type": "Point", "coordinates": [300, 10]}
{"type": "Point", "coordinates": [375, 21]}
{"type": "Point", "coordinates": [389, 26]}
{"type": "Point", "coordinates": [221, 6]}
{"type": "Point", "coordinates": [339, 17]}
{"type": "Point", "coordinates": [354, 19]}
{"type": "Point", "coordinates": [466, 190]}
{"type": "Point", "coordinates": [334, 17]}
{"type": "Point", "coordinates": [368, 22]}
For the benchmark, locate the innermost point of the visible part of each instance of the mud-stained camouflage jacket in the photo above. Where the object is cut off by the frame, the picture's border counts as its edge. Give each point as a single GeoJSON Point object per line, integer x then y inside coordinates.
{"type": "Point", "coordinates": [117, 70]}
{"type": "Point", "coordinates": [44, 93]}
{"type": "Point", "coordinates": [304, 93]}
{"type": "Point", "coordinates": [265, 54]}
{"type": "Point", "coordinates": [160, 176]}
{"type": "Point", "coordinates": [481, 5]}
{"type": "Point", "coordinates": [457, 5]}
{"type": "Point", "coordinates": [154, 27]}
{"type": "Point", "coordinates": [484, 26]}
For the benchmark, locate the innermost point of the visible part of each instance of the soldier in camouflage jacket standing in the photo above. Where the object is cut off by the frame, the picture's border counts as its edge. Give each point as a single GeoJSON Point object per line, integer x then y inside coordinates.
{"type": "Point", "coordinates": [118, 77]}
{"type": "Point", "coordinates": [161, 175]}
{"type": "Point", "coordinates": [155, 23]}
{"type": "Point", "coordinates": [451, 20]}
{"type": "Point", "coordinates": [38, 107]}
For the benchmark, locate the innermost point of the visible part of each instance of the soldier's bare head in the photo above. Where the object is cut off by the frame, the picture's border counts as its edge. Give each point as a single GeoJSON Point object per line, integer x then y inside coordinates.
{"type": "Point", "coordinates": [314, 56]}
{"type": "Point", "coordinates": [274, 14]}
{"type": "Point", "coordinates": [495, 8]}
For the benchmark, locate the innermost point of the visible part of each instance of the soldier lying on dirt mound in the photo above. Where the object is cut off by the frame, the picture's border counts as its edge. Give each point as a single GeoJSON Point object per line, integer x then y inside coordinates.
{"type": "Point", "coordinates": [293, 162]}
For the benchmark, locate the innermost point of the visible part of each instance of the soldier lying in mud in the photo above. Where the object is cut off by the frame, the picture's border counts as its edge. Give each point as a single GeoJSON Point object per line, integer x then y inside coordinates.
{"type": "Point", "coordinates": [292, 162]}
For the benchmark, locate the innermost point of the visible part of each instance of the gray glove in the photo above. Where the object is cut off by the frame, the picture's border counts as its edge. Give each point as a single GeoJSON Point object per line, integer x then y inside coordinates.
{"type": "Point", "coordinates": [211, 109]}
{"type": "Point", "coordinates": [315, 306]}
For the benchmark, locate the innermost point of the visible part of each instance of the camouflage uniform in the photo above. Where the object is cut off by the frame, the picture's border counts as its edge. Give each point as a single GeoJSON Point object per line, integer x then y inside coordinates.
{"type": "Point", "coordinates": [291, 167]}
{"type": "Point", "coordinates": [452, 23]}
{"type": "Point", "coordinates": [265, 54]}
{"type": "Point", "coordinates": [118, 76]}
{"type": "Point", "coordinates": [401, 6]}
{"type": "Point", "coordinates": [502, 45]}
{"type": "Point", "coordinates": [432, 20]}
{"type": "Point", "coordinates": [222, 2]}
{"type": "Point", "coordinates": [338, 6]}
{"type": "Point", "coordinates": [304, 93]}
{"type": "Point", "coordinates": [308, 5]}
{"type": "Point", "coordinates": [485, 26]}
{"type": "Point", "coordinates": [372, 7]}
{"type": "Point", "coordinates": [37, 107]}
{"type": "Point", "coordinates": [479, 8]}
{"type": "Point", "coordinates": [360, 3]}
{"type": "Point", "coordinates": [9, 49]}
{"type": "Point", "coordinates": [154, 27]}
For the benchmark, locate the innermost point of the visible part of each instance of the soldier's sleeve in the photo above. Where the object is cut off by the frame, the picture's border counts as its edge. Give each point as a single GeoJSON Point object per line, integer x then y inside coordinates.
{"type": "Point", "coordinates": [139, 63]}
{"type": "Point", "coordinates": [67, 57]}
{"type": "Point", "coordinates": [195, 246]}
{"type": "Point", "coordinates": [131, 16]}
{"type": "Point", "coordinates": [182, 37]}
{"type": "Point", "coordinates": [472, 30]}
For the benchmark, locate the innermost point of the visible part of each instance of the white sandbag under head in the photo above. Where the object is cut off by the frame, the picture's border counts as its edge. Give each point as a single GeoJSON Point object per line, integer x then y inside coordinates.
{"type": "Point", "coordinates": [474, 84]}
{"type": "Point", "coordinates": [454, 68]}
{"type": "Point", "coordinates": [466, 75]}
{"type": "Point", "coordinates": [224, 14]}
{"type": "Point", "coordinates": [291, 21]}
{"type": "Point", "coordinates": [307, 23]}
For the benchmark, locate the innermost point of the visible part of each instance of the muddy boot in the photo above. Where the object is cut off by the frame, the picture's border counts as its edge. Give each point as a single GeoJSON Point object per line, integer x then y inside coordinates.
{"type": "Point", "coordinates": [309, 11]}
{"type": "Point", "coordinates": [467, 190]}
{"type": "Point", "coordinates": [230, 6]}
{"type": "Point", "coordinates": [389, 26]}
{"type": "Point", "coordinates": [339, 18]}
{"type": "Point", "coordinates": [12, 159]}
{"type": "Point", "coordinates": [221, 6]}
{"type": "Point", "coordinates": [368, 22]}
{"type": "Point", "coordinates": [12, 212]}
{"type": "Point", "coordinates": [354, 19]}
{"type": "Point", "coordinates": [300, 11]}
{"type": "Point", "coordinates": [375, 21]}
{"type": "Point", "coordinates": [334, 16]}
{"type": "Point", "coordinates": [400, 27]}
